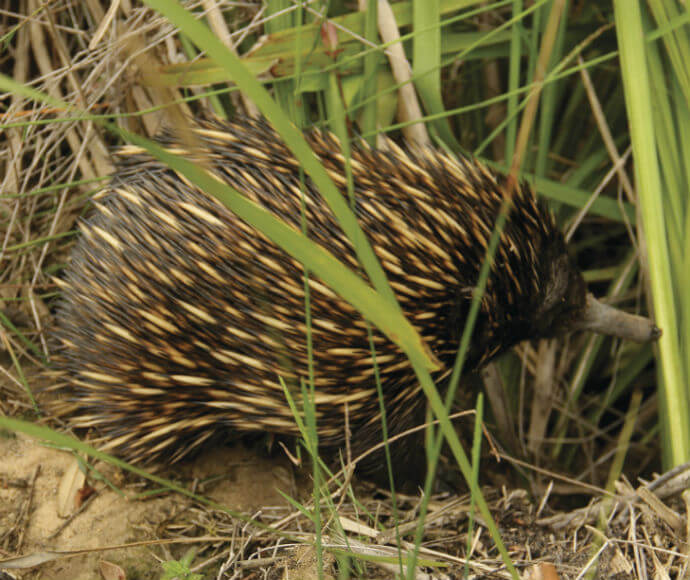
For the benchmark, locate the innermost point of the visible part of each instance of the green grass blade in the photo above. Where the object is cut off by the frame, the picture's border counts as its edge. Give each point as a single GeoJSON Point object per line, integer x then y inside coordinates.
{"type": "Point", "coordinates": [426, 63]}
{"type": "Point", "coordinates": [639, 104]}
{"type": "Point", "coordinates": [370, 79]}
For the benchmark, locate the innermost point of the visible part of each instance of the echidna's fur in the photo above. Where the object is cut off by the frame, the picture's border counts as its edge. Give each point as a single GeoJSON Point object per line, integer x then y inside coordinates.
{"type": "Point", "coordinates": [178, 318]}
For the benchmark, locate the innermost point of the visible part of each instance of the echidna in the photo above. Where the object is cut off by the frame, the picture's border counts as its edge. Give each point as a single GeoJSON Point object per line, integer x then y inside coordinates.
{"type": "Point", "coordinates": [179, 320]}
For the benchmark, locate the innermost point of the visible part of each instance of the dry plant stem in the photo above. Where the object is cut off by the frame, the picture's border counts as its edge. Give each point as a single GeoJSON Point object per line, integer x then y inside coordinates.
{"type": "Point", "coordinates": [220, 29]}
{"type": "Point", "coordinates": [97, 150]}
{"type": "Point", "coordinates": [672, 518]}
{"type": "Point", "coordinates": [542, 403]}
{"type": "Point", "coordinates": [625, 182]}
{"type": "Point", "coordinates": [436, 512]}
{"type": "Point", "coordinates": [430, 553]}
{"type": "Point", "coordinates": [69, 519]}
{"type": "Point", "coordinates": [393, 439]}
{"type": "Point", "coordinates": [522, 438]}
{"type": "Point", "coordinates": [96, 9]}
{"type": "Point", "coordinates": [599, 491]}
{"type": "Point", "coordinates": [409, 108]}
{"type": "Point", "coordinates": [26, 510]}
{"type": "Point", "coordinates": [686, 500]}
{"type": "Point", "coordinates": [606, 132]}
{"type": "Point", "coordinates": [13, 164]}
{"type": "Point", "coordinates": [152, 122]}
{"type": "Point", "coordinates": [239, 35]}
{"type": "Point", "coordinates": [6, 345]}
{"type": "Point", "coordinates": [177, 115]}
{"type": "Point", "coordinates": [672, 481]}
{"type": "Point", "coordinates": [13, 167]}
{"type": "Point", "coordinates": [44, 63]}
{"type": "Point", "coordinates": [105, 23]}
{"type": "Point", "coordinates": [493, 386]}
{"type": "Point", "coordinates": [659, 487]}
{"type": "Point", "coordinates": [320, 15]}
{"type": "Point", "coordinates": [53, 228]}
{"type": "Point", "coordinates": [577, 377]}
{"type": "Point", "coordinates": [595, 194]}
{"type": "Point", "coordinates": [496, 112]}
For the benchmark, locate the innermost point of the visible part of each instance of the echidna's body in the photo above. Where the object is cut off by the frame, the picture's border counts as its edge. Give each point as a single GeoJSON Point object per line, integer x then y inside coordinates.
{"type": "Point", "coordinates": [179, 319]}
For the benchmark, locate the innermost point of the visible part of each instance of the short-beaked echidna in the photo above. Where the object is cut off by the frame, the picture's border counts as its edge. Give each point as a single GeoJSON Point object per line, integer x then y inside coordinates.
{"type": "Point", "coordinates": [179, 320]}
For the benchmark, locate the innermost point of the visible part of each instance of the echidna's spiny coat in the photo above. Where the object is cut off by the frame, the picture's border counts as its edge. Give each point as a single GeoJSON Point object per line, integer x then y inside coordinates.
{"type": "Point", "coordinates": [178, 318]}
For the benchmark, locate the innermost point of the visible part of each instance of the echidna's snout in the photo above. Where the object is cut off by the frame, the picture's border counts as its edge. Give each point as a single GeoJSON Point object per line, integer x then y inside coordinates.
{"type": "Point", "coordinates": [566, 306]}
{"type": "Point", "coordinates": [604, 319]}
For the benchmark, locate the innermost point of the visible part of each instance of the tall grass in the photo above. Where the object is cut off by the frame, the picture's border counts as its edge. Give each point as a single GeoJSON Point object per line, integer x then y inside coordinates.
{"type": "Point", "coordinates": [656, 77]}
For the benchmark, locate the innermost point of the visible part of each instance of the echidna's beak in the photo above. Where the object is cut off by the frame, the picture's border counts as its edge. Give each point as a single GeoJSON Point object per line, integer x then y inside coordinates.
{"type": "Point", "coordinates": [604, 319]}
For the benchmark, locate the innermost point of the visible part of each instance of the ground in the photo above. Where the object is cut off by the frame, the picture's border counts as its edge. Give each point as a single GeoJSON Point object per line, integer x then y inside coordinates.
{"type": "Point", "coordinates": [36, 483]}
{"type": "Point", "coordinates": [58, 527]}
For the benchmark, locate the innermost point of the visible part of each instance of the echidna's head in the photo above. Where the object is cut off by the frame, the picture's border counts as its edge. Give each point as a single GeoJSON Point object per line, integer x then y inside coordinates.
{"type": "Point", "coordinates": [550, 297]}
{"type": "Point", "coordinates": [563, 304]}
{"type": "Point", "coordinates": [534, 290]}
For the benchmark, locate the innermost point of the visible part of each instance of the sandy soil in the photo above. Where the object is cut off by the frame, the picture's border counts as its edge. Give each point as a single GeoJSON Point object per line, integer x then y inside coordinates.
{"type": "Point", "coordinates": [37, 483]}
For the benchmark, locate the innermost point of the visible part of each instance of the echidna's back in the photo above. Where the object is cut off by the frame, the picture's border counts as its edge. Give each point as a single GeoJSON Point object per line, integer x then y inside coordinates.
{"type": "Point", "coordinates": [179, 320]}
